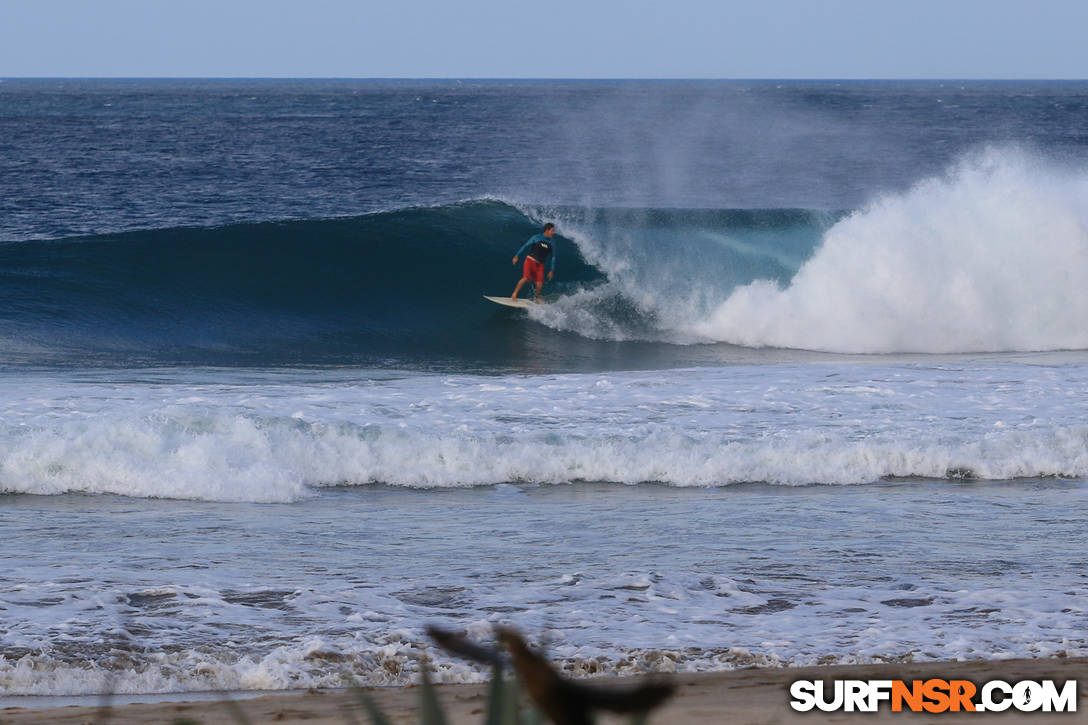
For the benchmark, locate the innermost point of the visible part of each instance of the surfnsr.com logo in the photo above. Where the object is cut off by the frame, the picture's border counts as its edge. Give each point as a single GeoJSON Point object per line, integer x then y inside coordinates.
{"type": "Point", "coordinates": [934, 696]}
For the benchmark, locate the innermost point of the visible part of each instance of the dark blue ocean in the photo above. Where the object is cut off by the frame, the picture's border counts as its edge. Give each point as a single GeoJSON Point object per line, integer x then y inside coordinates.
{"type": "Point", "coordinates": [810, 385]}
{"type": "Point", "coordinates": [359, 222]}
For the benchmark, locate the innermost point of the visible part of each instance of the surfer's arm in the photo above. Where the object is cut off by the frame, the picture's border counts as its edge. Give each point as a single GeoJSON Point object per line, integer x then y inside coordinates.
{"type": "Point", "coordinates": [523, 248]}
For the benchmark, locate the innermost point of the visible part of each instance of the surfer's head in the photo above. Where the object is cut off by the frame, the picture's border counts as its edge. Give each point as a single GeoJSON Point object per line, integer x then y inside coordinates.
{"type": "Point", "coordinates": [549, 229]}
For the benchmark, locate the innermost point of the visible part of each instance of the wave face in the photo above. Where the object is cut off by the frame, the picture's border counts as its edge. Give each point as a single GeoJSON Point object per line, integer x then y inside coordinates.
{"type": "Point", "coordinates": [989, 257]}
{"type": "Point", "coordinates": [394, 288]}
{"type": "Point", "coordinates": [398, 286]}
{"type": "Point", "coordinates": [666, 269]}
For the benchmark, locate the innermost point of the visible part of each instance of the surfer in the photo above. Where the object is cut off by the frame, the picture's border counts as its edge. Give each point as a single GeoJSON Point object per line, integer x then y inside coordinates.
{"type": "Point", "coordinates": [541, 252]}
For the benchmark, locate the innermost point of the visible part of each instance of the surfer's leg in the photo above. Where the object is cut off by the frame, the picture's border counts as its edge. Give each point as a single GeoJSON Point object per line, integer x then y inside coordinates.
{"type": "Point", "coordinates": [521, 283]}
{"type": "Point", "coordinates": [539, 288]}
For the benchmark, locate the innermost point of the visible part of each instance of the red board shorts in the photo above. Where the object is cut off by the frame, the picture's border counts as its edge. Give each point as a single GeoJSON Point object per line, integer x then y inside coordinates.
{"type": "Point", "coordinates": [533, 270]}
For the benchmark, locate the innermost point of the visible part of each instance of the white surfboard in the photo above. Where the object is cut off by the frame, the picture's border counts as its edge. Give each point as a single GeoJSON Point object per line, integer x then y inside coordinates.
{"type": "Point", "coordinates": [507, 302]}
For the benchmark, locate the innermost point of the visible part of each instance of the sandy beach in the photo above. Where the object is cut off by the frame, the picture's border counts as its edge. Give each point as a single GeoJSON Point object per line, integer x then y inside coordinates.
{"type": "Point", "coordinates": [742, 696]}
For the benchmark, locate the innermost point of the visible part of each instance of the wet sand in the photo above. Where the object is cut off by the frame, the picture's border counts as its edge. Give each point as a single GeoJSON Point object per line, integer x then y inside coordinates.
{"type": "Point", "coordinates": [741, 696]}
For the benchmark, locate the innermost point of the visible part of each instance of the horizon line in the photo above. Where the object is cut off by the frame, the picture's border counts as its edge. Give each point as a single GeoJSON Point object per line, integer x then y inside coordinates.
{"type": "Point", "coordinates": [552, 79]}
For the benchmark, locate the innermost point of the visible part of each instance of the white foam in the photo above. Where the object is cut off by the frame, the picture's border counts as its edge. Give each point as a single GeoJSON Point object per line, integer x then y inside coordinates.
{"type": "Point", "coordinates": [616, 622]}
{"type": "Point", "coordinates": [275, 441]}
{"type": "Point", "coordinates": [170, 454]}
{"type": "Point", "coordinates": [991, 257]}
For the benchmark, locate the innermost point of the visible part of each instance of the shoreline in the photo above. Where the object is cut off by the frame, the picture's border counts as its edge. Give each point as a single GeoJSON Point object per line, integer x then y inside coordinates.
{"type": "Point", "coordinates": [751, 695]}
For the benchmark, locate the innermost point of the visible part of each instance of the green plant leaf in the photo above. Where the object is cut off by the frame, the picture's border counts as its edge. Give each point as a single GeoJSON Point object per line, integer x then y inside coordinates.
{"type": "Point", "coordinates": [531, 716]}
{"type": "Point", "coordinates": [511, 712]}
{"type": "Point", "coordinates": [430, 709]}
{"type": "Point", "coordinates": [496, 699]}
{"type": "Point", "coordinates": [236, 712]}
{"type": "Point", "coordinates": [377, 717]}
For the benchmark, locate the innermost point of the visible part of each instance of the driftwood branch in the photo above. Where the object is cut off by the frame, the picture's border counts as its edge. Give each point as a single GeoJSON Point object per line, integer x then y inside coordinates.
{"type": "Point", "coordinates": [562, 700]}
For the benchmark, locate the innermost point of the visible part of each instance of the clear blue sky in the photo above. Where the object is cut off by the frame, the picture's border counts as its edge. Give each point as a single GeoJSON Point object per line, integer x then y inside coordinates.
{"type": "Point", "coordinates": [546, 38]}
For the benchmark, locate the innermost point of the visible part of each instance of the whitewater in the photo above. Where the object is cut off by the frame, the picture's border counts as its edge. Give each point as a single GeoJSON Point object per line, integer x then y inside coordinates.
{"type": "Point", "coordinates": [279, 437]}
{"type": "Point", "coordinates": [986, 257]}
{"type": "Point", "coordinates": [236, 529]}
{"type": "Point", "coordinates": [810, 386]}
